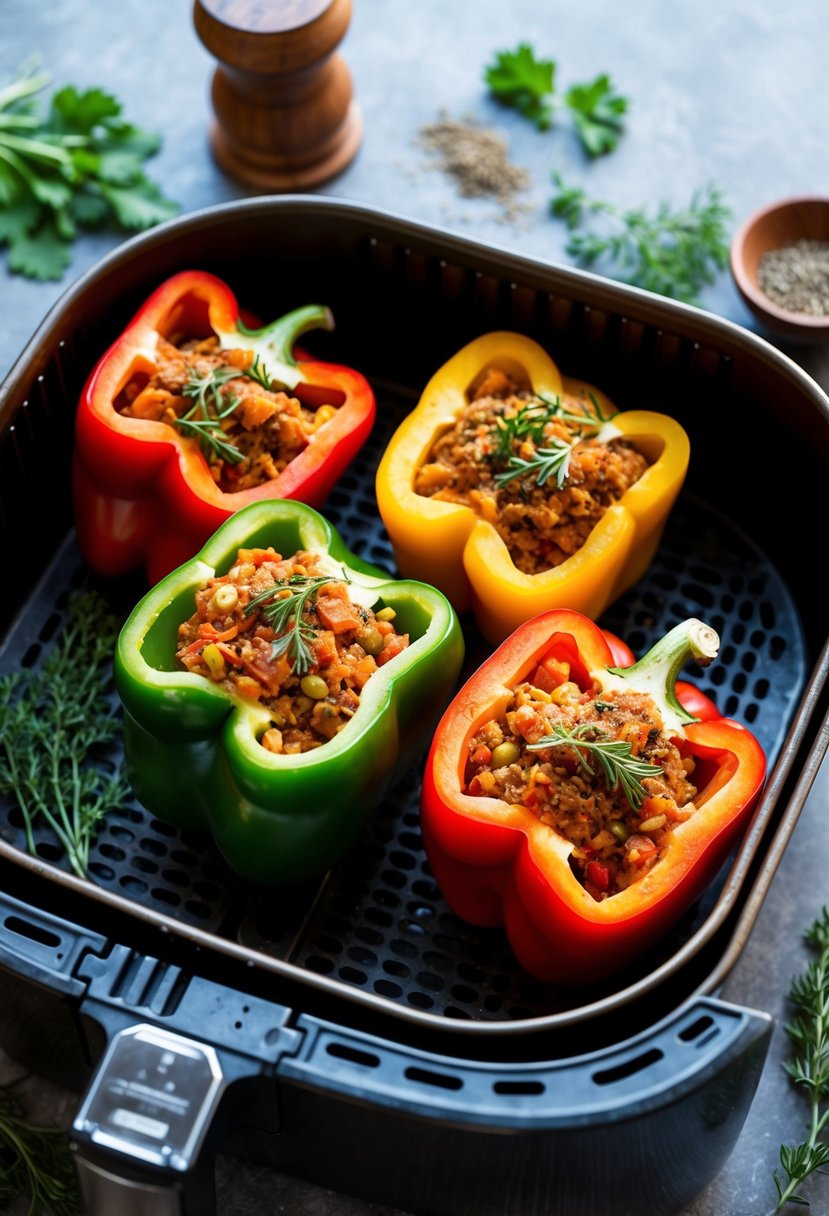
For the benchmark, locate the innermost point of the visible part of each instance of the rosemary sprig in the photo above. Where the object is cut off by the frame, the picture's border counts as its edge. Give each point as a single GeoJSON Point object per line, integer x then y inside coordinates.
{"type": "Point", "coordinates": [284, 615]}
{"type": "Point", "coordinates": [809, 1032]}
{"type": "Point", "coordinates": [529, 422]}
{"type": "Point", "coordinates": [618, 766]}
{"type": "Point", "coordinates": [35, 1162]}
{"type": "Point", "coordinates": [52, 721]}
{"type": "Point", "coordinates": [547, 462]}
{"type": "Point", "coordinates": [213, 402]}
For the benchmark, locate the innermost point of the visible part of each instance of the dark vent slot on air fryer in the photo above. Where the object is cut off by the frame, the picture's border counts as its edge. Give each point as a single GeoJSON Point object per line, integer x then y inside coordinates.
{"type": "Point", "coordinates": [696, 1032]}
{"type": "Point", "coordinates": [342, 1051]}
{"type": "Point", "coordinates": [35, 933]}
{"type": "Point", "coordinates": [522, 1089]}
{"type": "Point", "coordinates": [609, 1076]}
{"type": "Point", "coordinates": [438, 1080]}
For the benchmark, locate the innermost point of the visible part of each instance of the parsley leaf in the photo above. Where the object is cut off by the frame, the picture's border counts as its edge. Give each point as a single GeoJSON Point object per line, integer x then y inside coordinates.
{"type": "Point", "coordinates": [516, 78]}
{"type": "Point", "coordinates": [671, 252]}
{"type": "Point", "coordinates": [597, 112]}
{"type": "Point", "coordinates": [79, 165]}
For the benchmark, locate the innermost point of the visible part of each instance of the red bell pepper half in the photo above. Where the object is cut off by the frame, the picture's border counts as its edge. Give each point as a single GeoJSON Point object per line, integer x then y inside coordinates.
{"type": "Point", "coordinates": [143, 491]}
{"type": "Point", "coordinates": [498, 863]}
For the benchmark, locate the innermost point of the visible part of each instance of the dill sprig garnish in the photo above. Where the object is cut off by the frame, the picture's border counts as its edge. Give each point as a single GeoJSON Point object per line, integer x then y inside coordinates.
{"type": "Point", "coordinates": [213, 402]}
{"type": "Point", "coordinates": [53, 720]}
{"type": "Point", "coordinates": [35, 1162]}
{"type": "Point", "coordinates": [619, 768]}
{"type": "Point", "coordinates": [296, 594]}
{"type": "Point", "coordinates": [809, 1032]}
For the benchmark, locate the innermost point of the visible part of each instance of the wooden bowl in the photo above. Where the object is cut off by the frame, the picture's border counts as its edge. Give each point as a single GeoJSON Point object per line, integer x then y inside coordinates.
{"type": "Point", "coordinates": [772, 227]}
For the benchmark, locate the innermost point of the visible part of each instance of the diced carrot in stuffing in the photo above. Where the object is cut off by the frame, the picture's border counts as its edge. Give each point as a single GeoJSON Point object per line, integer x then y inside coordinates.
{"type": "Point", "coordinates": [558, 671]}
{"type": "Point", "coordinates": [253, 411]}
{"type": "Point", "coordinates": [495, 382]}
{"type": "Point", "coordinates": [337, 614]}
{"type": "Point", "coordinates": [393, 647]}
{"type": "Point", "coordinates": [151, 403]}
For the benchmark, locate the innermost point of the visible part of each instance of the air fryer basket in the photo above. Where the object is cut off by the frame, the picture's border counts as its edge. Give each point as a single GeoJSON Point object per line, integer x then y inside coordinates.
{"type": "Point", "coordinates": [381, 1016]}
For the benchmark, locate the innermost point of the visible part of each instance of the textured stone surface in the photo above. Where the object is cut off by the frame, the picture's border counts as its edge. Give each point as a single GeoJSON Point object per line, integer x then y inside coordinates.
{"type": "Point", "coordinates": [735, 93]}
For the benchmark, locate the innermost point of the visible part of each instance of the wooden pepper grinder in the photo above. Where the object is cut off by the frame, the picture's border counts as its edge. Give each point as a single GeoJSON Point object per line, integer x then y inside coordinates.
{"type": "Point", "coordinates": [285, 115]}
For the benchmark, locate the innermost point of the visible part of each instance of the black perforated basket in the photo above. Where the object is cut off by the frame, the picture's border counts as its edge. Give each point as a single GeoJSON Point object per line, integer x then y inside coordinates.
{"type": "Point", "coordinates": [360, 1001]}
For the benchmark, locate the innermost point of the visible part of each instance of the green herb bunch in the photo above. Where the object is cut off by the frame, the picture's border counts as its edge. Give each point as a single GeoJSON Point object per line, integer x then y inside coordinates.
{"type": "Point", "coordinates": [54, 721]}
{"type": "Point", "coordinates": [526, 83]}
{"type": "Point", "coordinates": [672, 252]}
{"type": "Point", "coordinates": [809, 1070]}
{"type": "Point", "coordinates": [79, 165]}
{"type": "Point", "coordinates": [35, 1162]}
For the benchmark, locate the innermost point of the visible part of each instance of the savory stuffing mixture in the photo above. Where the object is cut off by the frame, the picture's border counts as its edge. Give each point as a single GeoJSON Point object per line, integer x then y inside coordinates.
{"type": "Point", "coordinates": [247, 431]}
{"type": "Point", "coordinates": [285, 632]}
{"type": "Point", "coordinates": [617, 839]}
{"type": "Point", "coordinates": [530, 466]}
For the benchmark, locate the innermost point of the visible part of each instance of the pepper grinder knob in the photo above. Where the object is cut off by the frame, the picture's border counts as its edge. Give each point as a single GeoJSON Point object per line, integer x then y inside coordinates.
{"type": "Point", "coordinates": [285, 117]}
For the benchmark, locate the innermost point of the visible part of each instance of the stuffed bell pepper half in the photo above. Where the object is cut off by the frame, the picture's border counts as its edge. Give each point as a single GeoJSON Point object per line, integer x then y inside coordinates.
{"type": "Point", "coordinates": [191, 414]}
{"type": "Point", "coordinates": [579, 802]}
{"type": "Point", "coordinates": [516, 490]}
{"type": "Point", "coordinates": [274, 686]}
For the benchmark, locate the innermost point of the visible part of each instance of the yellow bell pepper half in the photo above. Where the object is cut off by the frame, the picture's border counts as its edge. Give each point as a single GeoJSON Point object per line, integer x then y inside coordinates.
{"type": "Point", "coordinates": [450, 546]}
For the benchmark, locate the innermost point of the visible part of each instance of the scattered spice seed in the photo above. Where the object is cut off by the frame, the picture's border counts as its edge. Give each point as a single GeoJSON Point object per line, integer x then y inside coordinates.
{"type": "Point", "coordinates": [796, 277]}
{"type": "Point", "coordinates": [478, 159]}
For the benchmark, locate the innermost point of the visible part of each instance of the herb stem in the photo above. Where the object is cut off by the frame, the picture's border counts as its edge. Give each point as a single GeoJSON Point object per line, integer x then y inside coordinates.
{"type": "Point", "coordinates": [809, 1032]}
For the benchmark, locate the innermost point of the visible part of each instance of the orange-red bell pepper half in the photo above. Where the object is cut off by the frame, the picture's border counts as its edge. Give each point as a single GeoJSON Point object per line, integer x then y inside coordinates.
{"type": "Point", "coordinates": [498, 863]}
{"type": "Point", "coordinates": [143, 492]}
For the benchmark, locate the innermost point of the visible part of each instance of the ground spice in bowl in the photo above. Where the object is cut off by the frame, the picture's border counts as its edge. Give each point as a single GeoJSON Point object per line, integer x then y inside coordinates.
{"type": "Point", "coordinates": [796, 277]}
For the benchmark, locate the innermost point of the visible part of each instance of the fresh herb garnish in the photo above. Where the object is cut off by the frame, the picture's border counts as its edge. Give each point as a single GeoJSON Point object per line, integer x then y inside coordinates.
{"type": "Point", "coordinates": [52, 721]}
{"type": "Point", "coordinates": [77, 166]}
{"type": "Point", "coordinates": [618, 767]}
{"type": "Point", "coordinates": [809, 1032]}
{"type": "Point", "coordinates": [35, 1162]}
{"type": "Point", "coordinates": [212, 406]}
{"type": "Point", "coordinates": [673, 253]}
{"type": "Point", "coordinates": [553, 461]}
{"type": "Point", "coordinates": [520, 79]}
{"type": "Point", "coordinates": [528, 423]}
{"type": "Point", "coordinates": [516, 78]}
{"type": "Point", "coordinates": [284, 615]}
{"type": "Point", "coordinates": [597, 112]}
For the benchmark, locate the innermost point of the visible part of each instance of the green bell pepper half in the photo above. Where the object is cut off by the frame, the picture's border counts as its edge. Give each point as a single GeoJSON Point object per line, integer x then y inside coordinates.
{"type": "Point", "coordinates": [192, 751]}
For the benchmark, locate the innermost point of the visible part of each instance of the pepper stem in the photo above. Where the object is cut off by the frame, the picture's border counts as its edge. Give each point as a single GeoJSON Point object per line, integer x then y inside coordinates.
{"type": "Point", "coordinates": [656, 672]}
{"type": "Point", "coordinates": [273, 344]}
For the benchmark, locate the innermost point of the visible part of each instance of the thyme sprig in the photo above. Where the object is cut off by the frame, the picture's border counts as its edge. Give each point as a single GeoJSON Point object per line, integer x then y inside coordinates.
{"type": "Point", "coordinates": [809, 1032]}
{"type": "Point", "coordinates": [213, 402]}
{"type": "Point", "coordinates": [35, 1162]}
{"type": "Point", "coordinates": [53, 720]}
{"type": "Point", "coordinates": [618, 767]}
{"type": "Point", "coordinates": [284, 615]}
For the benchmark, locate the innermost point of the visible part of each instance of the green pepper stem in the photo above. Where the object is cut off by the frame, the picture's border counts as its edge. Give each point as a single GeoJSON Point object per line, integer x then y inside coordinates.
{"type": "Point", "coordinates": [656, 672]}
{"type": "Point", "coordinates": [274, 344]}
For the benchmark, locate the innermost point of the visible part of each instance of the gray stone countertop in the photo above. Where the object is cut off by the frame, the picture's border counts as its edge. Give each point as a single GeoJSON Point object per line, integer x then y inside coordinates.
{"type": "Point", "coordinates": [736, 94]}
